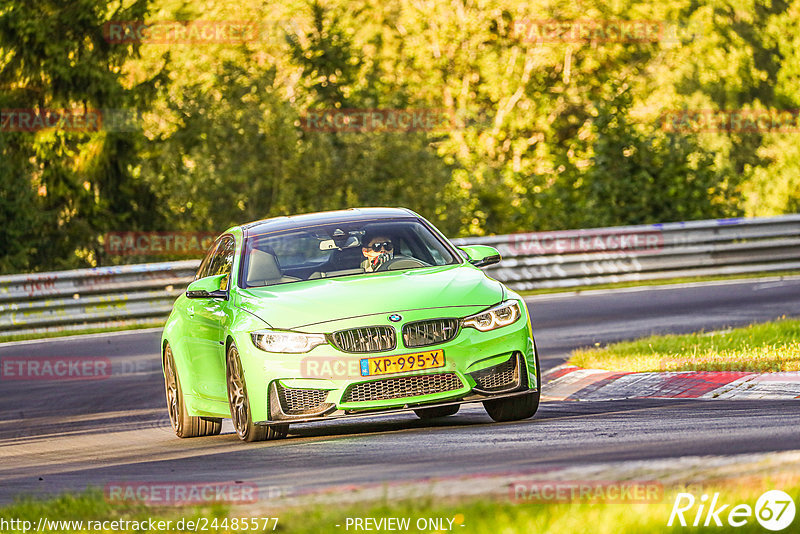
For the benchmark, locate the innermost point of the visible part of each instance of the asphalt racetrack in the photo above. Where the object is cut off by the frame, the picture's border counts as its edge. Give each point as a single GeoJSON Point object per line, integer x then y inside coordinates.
{"type": "Point", "coordinates": [67, 435]}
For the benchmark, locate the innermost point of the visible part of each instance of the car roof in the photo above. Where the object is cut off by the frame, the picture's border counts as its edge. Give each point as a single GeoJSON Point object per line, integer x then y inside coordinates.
{"type": "Point", "coordinates": [277, 224]}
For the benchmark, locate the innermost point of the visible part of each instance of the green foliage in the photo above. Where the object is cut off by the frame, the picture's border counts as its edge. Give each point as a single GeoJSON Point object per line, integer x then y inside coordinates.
{"type": "Point", "coordinates": [545, 135]}
{"type": "Point", "coordinates": [53, 57]}
{"type": "Point", "coordinates": [638, 178]}
{"type": "Point", "coordinates": [19, 215]}
{"type": "Point", "coordinates": [329, 61]}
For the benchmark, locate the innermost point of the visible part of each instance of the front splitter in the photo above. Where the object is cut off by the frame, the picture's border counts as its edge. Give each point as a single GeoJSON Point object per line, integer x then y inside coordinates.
{"type": "Point", "coordinates": [339, 414]}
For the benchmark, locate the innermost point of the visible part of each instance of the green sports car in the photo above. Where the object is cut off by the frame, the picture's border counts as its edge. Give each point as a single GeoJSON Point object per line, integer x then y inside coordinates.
{"type": "Point", "coordinates": [339, 314]}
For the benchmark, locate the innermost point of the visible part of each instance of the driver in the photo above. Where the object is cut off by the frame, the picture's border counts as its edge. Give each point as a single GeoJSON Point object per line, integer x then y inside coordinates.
{"type": "Point", "coordinates": [377, 251]}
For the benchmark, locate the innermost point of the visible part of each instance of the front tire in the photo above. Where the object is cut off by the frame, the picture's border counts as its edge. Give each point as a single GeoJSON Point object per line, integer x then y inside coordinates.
{"type": "Point", "coordinates": [239, 403]}
{"type": "Point", "coordinates": [517, 408]}
{"type": "Point", "coordinates": [184, 425]}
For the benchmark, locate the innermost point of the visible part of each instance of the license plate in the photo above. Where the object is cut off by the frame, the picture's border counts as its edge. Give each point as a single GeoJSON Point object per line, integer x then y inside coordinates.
{"type": "Point", "coordinates": [402, 363]}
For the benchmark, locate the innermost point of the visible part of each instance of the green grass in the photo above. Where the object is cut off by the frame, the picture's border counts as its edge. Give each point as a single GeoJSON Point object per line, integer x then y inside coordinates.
{"type": "Point", "coordinates": [768, 347]}
{"type": "Point", "coordinates": [477, 515]}
{"type": "Point", "coordinates": [44, 335]}
{"type": "Point", "coordinates": [668, 281]}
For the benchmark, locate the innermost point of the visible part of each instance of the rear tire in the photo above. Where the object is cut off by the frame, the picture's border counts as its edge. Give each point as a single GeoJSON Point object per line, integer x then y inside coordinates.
{"type": "Point", "coordinates": [517, 408]}
{"type": "Point", "coordinates": [239, 403]}
{"type": "Point", "coordinates": [184, 425]}
{"type": "Point", "coordinates": [437, 411]}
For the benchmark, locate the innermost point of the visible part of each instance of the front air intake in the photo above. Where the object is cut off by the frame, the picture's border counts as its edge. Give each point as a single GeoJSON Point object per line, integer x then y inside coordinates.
{"type": "Point", "coordinates": [499, 378]}
{"type": "Point", "coordinates": [296, 401]}
{"type": "Point", "coordinates": [406, 386]}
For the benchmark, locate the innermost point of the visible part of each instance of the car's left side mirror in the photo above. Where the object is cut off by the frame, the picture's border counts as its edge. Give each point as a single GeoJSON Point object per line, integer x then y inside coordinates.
{"type": "Point", "coordinates": [208, 287]}
{"type": "Point", "coordinates": [481, 255]}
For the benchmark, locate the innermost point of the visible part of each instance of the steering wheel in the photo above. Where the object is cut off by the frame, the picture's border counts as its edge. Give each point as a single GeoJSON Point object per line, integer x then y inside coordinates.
{"type": "Point", "coordinates": [400, 262]}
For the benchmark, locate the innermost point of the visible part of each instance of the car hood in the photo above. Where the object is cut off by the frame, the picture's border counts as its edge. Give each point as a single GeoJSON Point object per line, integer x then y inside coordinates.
{"type": "Point", "coordinates": [299, 304]}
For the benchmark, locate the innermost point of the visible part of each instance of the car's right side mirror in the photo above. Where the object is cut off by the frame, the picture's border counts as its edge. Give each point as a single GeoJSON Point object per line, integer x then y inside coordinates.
{"type": "Point", "coordinates": [208, 287]}
{"type": "Point", "coordinates": [481, 255]}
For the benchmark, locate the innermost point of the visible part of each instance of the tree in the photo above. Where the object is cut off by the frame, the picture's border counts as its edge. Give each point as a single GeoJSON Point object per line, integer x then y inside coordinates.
{"type": "Point", "coordinates": [84, 178]}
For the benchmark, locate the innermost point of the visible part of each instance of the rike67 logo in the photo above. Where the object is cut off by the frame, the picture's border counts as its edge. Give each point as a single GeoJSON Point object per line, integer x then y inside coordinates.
{"type": "Point", "coordinates": [774, 510]}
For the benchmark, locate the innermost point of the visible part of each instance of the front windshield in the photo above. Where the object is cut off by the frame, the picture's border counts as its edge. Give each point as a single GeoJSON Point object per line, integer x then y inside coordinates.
{"type": "Point", "coordinates": [341, 249]}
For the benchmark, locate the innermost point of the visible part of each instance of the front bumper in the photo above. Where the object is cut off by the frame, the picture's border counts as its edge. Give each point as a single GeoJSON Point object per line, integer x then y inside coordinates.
{"type": "Point", "coordinates": [338, 414]}
{"type": "Point", "coordinates": [508, 379]}
{"type": "Point", "coordinates": [326, 383]}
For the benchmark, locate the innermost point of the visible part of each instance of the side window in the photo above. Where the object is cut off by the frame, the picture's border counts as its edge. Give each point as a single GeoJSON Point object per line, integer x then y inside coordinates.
{"type": "Point", "coordinates": [205, 265]}
{"type": "Point", "coordinates": [223, 260]}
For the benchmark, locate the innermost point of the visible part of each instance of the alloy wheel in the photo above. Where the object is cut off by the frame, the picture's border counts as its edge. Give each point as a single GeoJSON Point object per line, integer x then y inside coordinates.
{"type": "Point", "coordinates": [237, 394]}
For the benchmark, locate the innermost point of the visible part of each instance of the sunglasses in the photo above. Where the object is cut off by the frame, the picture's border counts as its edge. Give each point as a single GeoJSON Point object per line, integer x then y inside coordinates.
{"type": "Point", "coordinates": [386, 245]}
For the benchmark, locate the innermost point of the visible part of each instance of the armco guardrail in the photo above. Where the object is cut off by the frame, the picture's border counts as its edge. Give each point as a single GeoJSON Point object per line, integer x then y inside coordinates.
{"type": "Point", "coordinates": [84, 298]}
{"type": "Point", "coordinates": [646, 252]}
{"type": "Point", "coordinates": [130, 294]}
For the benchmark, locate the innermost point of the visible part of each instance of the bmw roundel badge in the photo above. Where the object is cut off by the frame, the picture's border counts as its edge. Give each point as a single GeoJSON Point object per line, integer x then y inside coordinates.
{"type": "Point", "coordinates": [395, 317]}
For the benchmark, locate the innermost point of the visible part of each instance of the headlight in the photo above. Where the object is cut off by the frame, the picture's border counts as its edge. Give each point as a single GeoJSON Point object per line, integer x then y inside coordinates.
{"type": "Point", "coordinates": [501, 315]}
{"type": "Point", "coordinates": [274, 341]}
